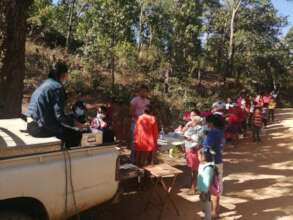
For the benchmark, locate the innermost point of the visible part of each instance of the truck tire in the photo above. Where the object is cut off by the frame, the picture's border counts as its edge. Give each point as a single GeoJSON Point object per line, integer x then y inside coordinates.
{"type": "Point", "coordinates": [14, 216]}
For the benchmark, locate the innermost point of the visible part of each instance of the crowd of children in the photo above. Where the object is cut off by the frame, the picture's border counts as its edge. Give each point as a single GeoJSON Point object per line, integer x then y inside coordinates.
{"type": "Point", "coordinates": [249, 112]}
{"type": "Point", "coordinates": [206, 133]}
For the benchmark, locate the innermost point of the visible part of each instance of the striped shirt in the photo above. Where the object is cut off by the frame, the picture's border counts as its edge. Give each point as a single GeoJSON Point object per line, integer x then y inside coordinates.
{"type": "Point", "coordinates": [257, 119]}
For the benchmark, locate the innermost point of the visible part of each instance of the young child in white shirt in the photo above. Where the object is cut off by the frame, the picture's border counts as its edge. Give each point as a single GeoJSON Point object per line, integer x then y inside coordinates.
{"type": "Point", "coordinates": [100, 123]}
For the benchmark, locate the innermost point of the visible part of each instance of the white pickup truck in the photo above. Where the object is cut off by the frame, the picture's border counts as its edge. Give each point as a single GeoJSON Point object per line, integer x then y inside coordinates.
{"type": "Point", "coordinates": [39, 181]}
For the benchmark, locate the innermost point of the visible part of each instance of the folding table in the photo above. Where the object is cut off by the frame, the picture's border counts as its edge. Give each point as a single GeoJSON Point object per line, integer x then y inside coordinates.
{"type": "Point", "coordinates": [159, 174]}
{"type": "Point", "coordinates": [169, 141]}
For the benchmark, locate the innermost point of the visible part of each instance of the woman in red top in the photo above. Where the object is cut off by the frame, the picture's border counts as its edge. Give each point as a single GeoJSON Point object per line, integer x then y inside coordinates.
{"type": "Point", "coordinates": [145, 137]}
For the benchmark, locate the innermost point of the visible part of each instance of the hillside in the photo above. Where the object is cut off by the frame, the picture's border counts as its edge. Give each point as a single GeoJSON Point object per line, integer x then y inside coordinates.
{"type": "Point", "coordinates": [91, 79]}
{"type": "Point", "coordinates": [92, 83]}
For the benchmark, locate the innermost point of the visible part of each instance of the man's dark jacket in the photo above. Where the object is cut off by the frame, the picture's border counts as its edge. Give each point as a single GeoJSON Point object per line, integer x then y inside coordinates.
{"type": "Point", "coordinates": [47, 106]}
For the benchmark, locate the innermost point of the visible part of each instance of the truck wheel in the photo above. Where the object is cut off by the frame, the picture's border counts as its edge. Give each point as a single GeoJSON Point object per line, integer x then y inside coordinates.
{"type": "Point", "coordinates": [14, 216]}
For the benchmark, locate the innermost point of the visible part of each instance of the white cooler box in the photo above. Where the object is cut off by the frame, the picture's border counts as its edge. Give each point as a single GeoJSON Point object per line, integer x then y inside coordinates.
{"type": "Point", "coordinates": [92, 139]}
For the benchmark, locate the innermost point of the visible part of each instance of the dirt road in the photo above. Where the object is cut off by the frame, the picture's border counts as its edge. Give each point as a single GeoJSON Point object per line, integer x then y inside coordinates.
{"type": "Point", "coordinates": [258, 183]}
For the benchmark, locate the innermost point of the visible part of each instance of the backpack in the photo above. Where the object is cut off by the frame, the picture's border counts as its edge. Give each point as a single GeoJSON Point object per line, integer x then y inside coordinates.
{"type": "Point", "coordinates": [215, 184]}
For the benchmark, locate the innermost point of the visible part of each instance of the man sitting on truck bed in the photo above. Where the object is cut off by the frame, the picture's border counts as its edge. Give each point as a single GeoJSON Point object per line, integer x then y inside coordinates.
{"type": "Point", "coordinates": [46, 109]}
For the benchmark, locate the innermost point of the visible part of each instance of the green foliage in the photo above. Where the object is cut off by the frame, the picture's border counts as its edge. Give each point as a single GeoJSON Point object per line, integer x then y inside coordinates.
{"type": "Point", "coordinates": [289, 38]}
{"type": "Point", "coordinates": [256, 41]}
{"type": "Point", "coordinates": [77, 82]}
{"type": "Point", "coordinates": [127, 56]}
{"type": "Point", "coordinates": [102, 33]}
{"type": "Point", "coordinates": [145, 39]}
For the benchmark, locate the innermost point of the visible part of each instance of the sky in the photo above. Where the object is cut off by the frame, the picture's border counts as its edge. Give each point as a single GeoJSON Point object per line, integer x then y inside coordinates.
{"type": "Point", "coordinates": [285, 8]}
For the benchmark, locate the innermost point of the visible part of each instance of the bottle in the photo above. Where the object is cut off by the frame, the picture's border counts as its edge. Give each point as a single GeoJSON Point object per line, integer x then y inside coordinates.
{"type": "Point", "coordinates": [162, 133]}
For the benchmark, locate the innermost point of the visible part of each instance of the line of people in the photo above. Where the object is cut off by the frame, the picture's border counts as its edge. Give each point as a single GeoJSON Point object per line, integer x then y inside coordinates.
{"type": "Point", "coordinates": [205, 135]}
{"type": "Point", "coordinates": [249, 112]}
{"type": "Point", "coordinates": [204, 141]}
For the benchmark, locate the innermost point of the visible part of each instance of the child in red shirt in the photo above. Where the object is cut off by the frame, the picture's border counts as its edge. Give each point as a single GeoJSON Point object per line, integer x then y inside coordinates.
{"type": "Point", "coordinates": [145, 137]}
{"type": "Point", "coordinates": [233, 126]}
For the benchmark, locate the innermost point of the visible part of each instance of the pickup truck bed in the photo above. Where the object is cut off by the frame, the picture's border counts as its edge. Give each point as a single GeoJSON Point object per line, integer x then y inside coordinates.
{"type": "Point", "coordinates": [15, 141]}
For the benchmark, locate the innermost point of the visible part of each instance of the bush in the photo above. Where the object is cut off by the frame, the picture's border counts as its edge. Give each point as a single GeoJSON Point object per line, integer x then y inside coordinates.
{"type": "Point", "coordinates": [126, 54]}
{"type": "Point", "coordinates": [77, 82]}
{"type": "Point", "coordinates": [53, 38]}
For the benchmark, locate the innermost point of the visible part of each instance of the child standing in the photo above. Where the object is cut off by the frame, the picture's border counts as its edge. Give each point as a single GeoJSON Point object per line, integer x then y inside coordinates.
{"type": "Point", "coordinates": [272, 106]}
{"type": "Point", "coordinates": [145, 137]}
{"type": "Point", "coordinates": [265, 114]}
{"type": "Point", "coordinates": [193, 133]}
{"type": "Point", "coordinates": [215, 141]}
{"type": "Point", "coordinates": [257, 121]}
{"type": "Point", "coordinates": [204, 181]}
{"type": "Point", "coordinates": [250, 113]}
{"type": "Point", "coordinates": [137, 106]}
{"type": "Point", "coordinates": [266, 100]}
{"type": "Point", "coordinates": [100, 123]}
{"type": "Point", "coordinates": [232, 127]}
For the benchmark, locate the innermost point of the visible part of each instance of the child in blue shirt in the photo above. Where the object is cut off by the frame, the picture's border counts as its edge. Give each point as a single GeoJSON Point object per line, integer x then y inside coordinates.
{"type": "Point", "coordinates": [215, 141]}
{"type": "Point", "coordinates": [215, 137]}
{"type": "Point", "coordinates": [204, 180]}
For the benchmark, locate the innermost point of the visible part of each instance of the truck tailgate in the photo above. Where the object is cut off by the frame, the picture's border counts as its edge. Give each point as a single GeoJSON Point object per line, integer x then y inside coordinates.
{"type": "Point", "coordinates": [43, 177]}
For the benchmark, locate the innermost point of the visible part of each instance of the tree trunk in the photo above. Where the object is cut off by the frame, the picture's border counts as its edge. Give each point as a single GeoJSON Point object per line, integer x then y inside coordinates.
{"type": "Point", "coordinates": [166, 80]}
{"type": "Point", "coordinates": [238, 77]}
{"type": "Point", "coordinates": [199, 76]}
{"type": "Point", "coordinates": [231, 44]}
{"type": "Point", "coordinates": [140, 31]}
{"type": "Point", "coordinates": [13, 14]}
{"type": "Point", "coordinates": [113, 61]}
{"type": "Point", "coordinates": [113, 71]}
{"type": "Point", "coordinates": [151, 36]}
{"type": "Point", "coordinates": [70, 21]}
{"type": "Point", "coordinates": [231, 41]}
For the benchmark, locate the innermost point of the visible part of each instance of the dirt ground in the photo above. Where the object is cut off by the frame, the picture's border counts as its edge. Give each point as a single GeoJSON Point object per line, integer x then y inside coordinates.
{"type": "Point", "coordinates": [258, 183]}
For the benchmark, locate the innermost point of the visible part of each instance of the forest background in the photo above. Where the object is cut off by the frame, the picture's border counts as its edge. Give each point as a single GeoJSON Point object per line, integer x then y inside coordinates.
{"type": "Point", "coordinates": [189, 52]}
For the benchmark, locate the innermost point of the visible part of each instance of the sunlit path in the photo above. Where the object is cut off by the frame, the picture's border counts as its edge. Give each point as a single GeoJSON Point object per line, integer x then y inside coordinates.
{"type": "Point", "coordinates": [259, 178]}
